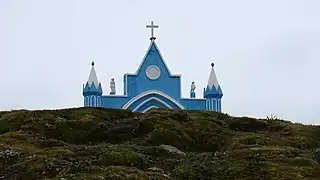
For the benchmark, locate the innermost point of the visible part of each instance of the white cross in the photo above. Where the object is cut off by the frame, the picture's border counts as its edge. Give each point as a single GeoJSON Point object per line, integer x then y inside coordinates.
{"type": "Point", "coordinates": [152, 26]}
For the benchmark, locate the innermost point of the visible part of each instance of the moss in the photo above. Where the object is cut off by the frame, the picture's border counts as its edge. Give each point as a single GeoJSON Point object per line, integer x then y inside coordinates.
{"type": "Point", "coordinates": [247, 124]}
{"type": "Point", "coordinates": [96, 143]}
{"type": "Point", "coordinates": [173, 137]}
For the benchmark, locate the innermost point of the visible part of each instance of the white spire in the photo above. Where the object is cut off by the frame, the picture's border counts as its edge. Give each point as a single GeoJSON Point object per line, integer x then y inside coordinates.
{"type": "Point", "coordinates": [93, 77]}
{"type": "Point", "coordinates": [213, 81]}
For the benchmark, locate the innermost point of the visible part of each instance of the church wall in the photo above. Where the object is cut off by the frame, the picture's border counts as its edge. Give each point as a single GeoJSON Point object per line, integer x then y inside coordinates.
{"type": "Point", "coordinates": [140, 84]}
{"type": "Point", "coordinates": [113, 101]}
{"type": "Point", "coordinates": [196, 104]}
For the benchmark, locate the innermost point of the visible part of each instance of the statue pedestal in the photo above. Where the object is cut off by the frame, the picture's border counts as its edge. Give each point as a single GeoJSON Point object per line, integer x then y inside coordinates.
{"type": "Point", "coordinates": [192, 94]}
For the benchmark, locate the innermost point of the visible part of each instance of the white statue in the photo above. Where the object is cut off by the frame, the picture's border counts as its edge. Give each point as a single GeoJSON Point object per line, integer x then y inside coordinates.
{"type": "Point", "coordinates": [112, 86]}
{"type": "Point", "coordinates": [193, 86]}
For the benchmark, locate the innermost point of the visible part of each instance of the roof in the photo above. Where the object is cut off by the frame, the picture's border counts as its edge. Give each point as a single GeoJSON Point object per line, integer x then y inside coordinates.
{"type": "Point", "coordinates": [93, 77]}
{"type": "Point", "coordinates": [213, 81]}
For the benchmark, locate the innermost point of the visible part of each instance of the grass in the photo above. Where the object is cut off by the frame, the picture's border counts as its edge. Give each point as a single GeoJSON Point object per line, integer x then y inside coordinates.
{"type": "Point", "coordinates": [96, 143]}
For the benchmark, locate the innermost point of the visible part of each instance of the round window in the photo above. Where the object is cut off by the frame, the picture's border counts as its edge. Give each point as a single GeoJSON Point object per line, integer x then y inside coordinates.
{"type": "Point", "coordinates": [153, 72]}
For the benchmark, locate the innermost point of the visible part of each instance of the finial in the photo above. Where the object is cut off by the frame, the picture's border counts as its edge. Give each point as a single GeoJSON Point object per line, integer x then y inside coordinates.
{"type": "Point", "coordinates": [92, 63]}
{"type": "Point", "coordinates": [152, 26]}
{"type": "Point", "coordinates": [212, 64]}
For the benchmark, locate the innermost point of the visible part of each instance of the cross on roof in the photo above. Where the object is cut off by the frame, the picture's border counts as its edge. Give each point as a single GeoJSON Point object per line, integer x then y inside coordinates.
{"type": "Point", "coordinates": [152, 26]}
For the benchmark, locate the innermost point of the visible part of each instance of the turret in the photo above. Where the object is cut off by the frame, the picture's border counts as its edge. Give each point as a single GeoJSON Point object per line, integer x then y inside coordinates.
{"type": "Point", "coordinates": [213, 93]}
{"type": "Point", "coordinates": [92, 90]}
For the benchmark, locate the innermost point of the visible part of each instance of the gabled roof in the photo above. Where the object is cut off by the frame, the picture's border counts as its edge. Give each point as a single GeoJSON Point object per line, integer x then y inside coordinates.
{"type": "Point", "coordinates": [154, 48]}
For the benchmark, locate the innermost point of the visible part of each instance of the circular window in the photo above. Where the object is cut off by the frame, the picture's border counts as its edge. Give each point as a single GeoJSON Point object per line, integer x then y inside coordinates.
{"type": "Point", "coordinates": [153, 72]}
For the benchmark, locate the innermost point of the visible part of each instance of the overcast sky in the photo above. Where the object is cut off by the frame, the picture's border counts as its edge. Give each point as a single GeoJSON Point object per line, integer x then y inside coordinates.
{"type": "Point", "coordinates": [266, 52]}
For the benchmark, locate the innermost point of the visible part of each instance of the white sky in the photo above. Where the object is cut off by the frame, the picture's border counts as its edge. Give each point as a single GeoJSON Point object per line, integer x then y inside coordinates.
{"type": "Point", "coordinates": [266, 52]}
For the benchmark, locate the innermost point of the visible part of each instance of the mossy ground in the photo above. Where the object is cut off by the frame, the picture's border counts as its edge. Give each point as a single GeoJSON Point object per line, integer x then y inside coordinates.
{"type": "Point", "coordinates": [94, 143]}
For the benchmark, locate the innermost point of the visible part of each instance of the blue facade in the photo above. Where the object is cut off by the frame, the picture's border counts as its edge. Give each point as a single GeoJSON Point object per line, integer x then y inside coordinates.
{"type": "Point", "coordinates": [152, 86]}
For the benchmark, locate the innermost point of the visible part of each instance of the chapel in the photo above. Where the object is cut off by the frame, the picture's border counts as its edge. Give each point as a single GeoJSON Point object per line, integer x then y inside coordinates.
{"type": "Point", "coordinates": [152, 86]}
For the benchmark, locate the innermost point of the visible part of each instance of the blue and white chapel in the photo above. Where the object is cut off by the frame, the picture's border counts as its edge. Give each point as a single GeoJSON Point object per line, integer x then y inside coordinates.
{"type": "Point", "coordinates": [152, 86]}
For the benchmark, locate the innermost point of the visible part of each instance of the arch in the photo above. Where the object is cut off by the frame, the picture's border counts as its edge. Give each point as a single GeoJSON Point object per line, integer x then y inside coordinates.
{"type": "Point", "coordinates": [214, 105]}
{"type": "Point", "coordinates": [151, 92]}
{"type": "Point", "coordinates": [150, 99]}
{"type": "Point", "coordinates": [98, 101]}
{"type": "Point", "coordinates": [93, 101]}
{"type": "Point", "coordinates": [151, 102]}
{"type": "Point", "coordinates": [149, 108]}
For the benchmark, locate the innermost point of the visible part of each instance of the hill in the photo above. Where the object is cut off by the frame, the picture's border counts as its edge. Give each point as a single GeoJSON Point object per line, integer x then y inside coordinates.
{"type": "Point", "coordinates": [93, 143]}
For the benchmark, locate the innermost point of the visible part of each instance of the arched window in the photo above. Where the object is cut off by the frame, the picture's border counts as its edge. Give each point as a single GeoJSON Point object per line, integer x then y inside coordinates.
{"type": "Point", "coordinates": [94, 101]}
{"type": "Point", "coordinates": [99, 101]}
{"type": "Point", "coordinates": [208, 105]}
{"type": "Point", "coordinates": [214, 105]}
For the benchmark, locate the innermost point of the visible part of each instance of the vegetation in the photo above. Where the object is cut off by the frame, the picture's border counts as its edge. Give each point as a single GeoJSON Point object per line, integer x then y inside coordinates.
{"type": "Point", "coordinates": [94, 143]}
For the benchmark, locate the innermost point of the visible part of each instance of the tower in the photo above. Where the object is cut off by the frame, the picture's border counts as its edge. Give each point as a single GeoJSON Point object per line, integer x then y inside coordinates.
{"type": "Point", "coordinates": [92, 90]}
{"type": "Point", "coordinates": [213, 93]}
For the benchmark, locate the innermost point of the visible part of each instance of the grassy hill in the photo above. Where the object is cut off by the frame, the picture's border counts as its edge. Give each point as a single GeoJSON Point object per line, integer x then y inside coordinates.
{"type": "Point", "coordinates": [88, 143]}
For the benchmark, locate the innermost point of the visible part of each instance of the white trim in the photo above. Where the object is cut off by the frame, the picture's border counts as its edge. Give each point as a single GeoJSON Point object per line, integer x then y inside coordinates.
{"type": "Point", "coordinates": [94, 101]}
{"type": "Point", "coordinates": [113, 96]}
{"type": "Point", "coordinates": [188, 98]}
{"type": "Point", "coordinates": [147, 109]}
{"type": "Point", "coordinates": [150, 99]}
{"type": "Point", "coordinates": [214, 102]}
{"type": "Point", "coordinates": [134, 99]}
{"type": "Point", "coordinates": [217, 104]}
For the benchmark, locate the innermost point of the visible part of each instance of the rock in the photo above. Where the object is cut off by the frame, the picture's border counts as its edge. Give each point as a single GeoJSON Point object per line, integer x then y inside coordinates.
{"type": "Point", "coordinates": [159, 171]}
{"type": "Point", "coordinates": [155, 169]}
{"type": "Point", "coordinates": [172, 149]}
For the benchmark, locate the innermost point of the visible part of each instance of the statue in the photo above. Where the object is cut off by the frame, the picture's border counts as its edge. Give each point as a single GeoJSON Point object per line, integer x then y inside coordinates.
{"type": "Point", "coordinates": [192, 91]}
{"type": "Point", "coordinates": [193, 87]}
{"type": "Point", "coordinates": [112, 87]}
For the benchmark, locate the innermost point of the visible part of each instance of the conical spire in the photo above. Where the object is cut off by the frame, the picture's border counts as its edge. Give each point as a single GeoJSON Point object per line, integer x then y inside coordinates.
{"type": "Point", "coordinates": [93, 77]}
{"type": "Point", "coordinates": [213, 81]}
